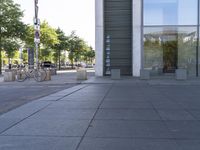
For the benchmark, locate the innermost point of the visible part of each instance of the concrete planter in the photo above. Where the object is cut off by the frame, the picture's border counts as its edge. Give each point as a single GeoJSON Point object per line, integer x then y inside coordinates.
{"type": "Point", "coordinates": [115, 74]}
{"type": "Point", "coordinates": [181, 74]}
{"type": "Point", "coordinates": [53, 71]}
{"type": "Point", "coordinates": [9, 76]}
{"type": "Point", "coordinates": [81, 74]}
{"type": "Point", "coordinates": [48, 75]}
{"type": "Point", "coordinates": [144, 74]}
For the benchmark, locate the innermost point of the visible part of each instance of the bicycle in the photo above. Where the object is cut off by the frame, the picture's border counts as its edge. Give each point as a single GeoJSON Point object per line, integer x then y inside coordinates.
{"type": "Point", "coordinates": [24, 72]}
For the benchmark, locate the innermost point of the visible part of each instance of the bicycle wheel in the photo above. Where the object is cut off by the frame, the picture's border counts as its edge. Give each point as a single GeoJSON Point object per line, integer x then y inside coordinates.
{"type": "Point", "coordinates": [39, 75]}
{"type": "Point", "coordinates": [21, 76]}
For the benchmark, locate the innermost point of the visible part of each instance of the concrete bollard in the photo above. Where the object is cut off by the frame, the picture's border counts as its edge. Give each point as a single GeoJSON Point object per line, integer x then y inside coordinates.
{"type": "Point", "coordinates": [9, 76]}
{"type": "Point", "coordinates": [81, 74]}
{"type": "Point", "coordinates": [181, 74]}
{"type": "Point", "coordinates": [115, 74]}
{"type": "Point", "coordinates": [144, 74]}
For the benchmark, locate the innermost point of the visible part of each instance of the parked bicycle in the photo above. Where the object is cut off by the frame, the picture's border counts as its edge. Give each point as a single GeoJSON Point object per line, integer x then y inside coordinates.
{"type": "Point", "coordinates": [24, 72]}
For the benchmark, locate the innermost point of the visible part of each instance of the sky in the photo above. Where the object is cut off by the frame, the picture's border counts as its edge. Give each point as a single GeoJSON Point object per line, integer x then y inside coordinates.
{"type": "Point", "coordinates": [69, 15]}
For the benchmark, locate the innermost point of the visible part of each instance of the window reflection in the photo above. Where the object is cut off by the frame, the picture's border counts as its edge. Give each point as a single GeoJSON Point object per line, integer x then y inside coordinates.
{"type": "Point", "coordinates": [170, 12]}
{"type": "Point", "coordinates": [169, 48]}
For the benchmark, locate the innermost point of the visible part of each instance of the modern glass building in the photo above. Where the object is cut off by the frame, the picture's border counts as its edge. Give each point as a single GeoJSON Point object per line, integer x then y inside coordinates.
{"type": "Point", "coordinates": [158, 35]}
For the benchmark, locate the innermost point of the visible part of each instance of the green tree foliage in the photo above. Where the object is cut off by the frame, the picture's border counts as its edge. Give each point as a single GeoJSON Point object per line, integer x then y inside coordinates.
{"type": "Point", "coordinates": [11, 26]}
{"type": "Point", "coordinates": [77, 47]}
{"type": "Point", "coordinates": [48, 39]}
{"type": "Point", "coordinates": [89, 55]}
{"type": "Point", "coordinates": [60, 46]}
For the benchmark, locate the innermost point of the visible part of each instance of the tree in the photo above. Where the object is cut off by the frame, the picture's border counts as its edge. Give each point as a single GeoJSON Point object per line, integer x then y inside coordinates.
{"type": "Point", "coordinates": [10, 47]}
{"type": "Point", "coordinates": [89, 55]}
{"type": "Point", "coordinates": [48, 39]}
{"type": "Point", "coordinates": [62, 45]}
{"type": "Point", "coordinates": [77, 46]}
{"type": "Point", "coordinates": [11, 26]}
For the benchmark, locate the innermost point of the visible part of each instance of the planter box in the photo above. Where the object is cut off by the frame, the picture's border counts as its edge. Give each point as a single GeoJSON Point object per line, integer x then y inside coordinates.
{"type": "Point", "coordinates": [144, 74]}
{"type": "Point", "coordinates": [115, 74]}
{"type": "Point", "coordinates": [181, 74]}
{"type": "Point", "coordinates": [53, 71]}
{"type": "Point", "coordinates": [9, 76]}
{"type": "Point", "coordinates": [81, 74]}
{"type": "Point", "coordinates": [48, 75]}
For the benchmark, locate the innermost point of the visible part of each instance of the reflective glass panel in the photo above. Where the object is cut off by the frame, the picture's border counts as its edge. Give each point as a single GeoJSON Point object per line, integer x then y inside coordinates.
{"type": "Point", "coordinates": [169, 48]}
{"type": "Point", "coordinates": [170, 12]}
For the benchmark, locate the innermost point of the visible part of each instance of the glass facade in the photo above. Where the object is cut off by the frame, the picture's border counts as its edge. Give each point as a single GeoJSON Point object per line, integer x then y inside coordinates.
{"type": "Point", "coordinates": [170, 36]}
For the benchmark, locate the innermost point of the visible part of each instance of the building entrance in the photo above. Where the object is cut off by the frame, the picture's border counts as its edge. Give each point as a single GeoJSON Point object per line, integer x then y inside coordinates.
{"type": "Point", "coordinates": [170, 53]}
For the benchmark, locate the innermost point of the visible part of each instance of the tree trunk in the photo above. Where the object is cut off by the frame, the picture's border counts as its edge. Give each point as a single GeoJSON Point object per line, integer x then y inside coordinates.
{"type": "Point", "coordinates": [59, 60]}
{"type": "Point", "coordinates": [0, 54]}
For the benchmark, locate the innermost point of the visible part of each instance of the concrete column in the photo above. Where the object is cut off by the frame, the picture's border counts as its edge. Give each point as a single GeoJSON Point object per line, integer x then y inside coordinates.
{"type": "Point", "coordinates": [99, 36]}
{"type": "Point", "coordinates": [137, 37]}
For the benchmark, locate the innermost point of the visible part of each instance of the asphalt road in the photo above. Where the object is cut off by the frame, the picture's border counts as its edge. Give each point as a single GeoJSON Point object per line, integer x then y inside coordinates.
{"type": "Point", "coordinates": [12, 96]}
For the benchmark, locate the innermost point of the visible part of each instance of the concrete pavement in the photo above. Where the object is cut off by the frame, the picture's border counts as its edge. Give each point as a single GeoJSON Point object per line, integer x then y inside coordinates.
{"type": "Point", "coordinates": [15, 94]}
{"type": "Point", "coordinates": [114, 115]}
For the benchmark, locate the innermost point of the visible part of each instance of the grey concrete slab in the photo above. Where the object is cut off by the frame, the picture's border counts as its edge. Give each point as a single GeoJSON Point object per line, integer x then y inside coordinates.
{"type": "Point", "coordinates": [66, 114]}
{"type": "Point", "coordinates": [111, 129]}
{"type": "Point", "coordinates": [184, 129]}
{"type": "Point", "coordinates": [48, 98]}
{"type": "Point", "coordinates": [128, 129]}
{"type": "Point", "coordinates": [151, 129]}
{"type": "Point", "coordinates": [127, 114]}
{"type": "Point", "coordinates": [126, 105]}
{"type": "Point", "coordinates": [69, 104]}
{"type": "Point", "coordinates": [166, 105]}
{"type": "Point", "coordinates": [159, 144]}
{"type": "Point", "coordinates": [37, 143]}
{"type": "Point", "coordinates": [82, 99]}
{"type": "Point", "coordinates": [127, 99]}
{"type": "Point", "coordinates": [107, 144]}
{"type": "Point", "coordinates": [49, 127]}
{"type": "Point", "coordinates": [175, 115]}
{"type": "Point", "coordinates": [190, 104]}
{"type": "Point", "coordinates": [195, 113]}
{"type": "Point", "coordinates": [7, 123]}
{"type": "Point", "coordinates": [188, 144]}
{"type": "Point", "coordinates": [25, 110]}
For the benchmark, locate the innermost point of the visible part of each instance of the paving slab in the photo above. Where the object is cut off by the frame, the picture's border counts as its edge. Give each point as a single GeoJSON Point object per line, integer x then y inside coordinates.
{"type": "Point", "coordinates": [127, 114]}
{"type": "Point", "coordinates": [156, 144]}
{"type": "Point", "coordinates": [66, 114]}
{"type": "Point", "coordinates": [184, 129]}
{"type": "Point", "coordinates": [188, 144]}
{"type": "Point", "coordinates": [107, 144]}
{"type": "Point", "coordinates": [175, 115]}
{"type": "Point", "coordinates": [38, 143]}
{"type": "Point", "coordinates": [49, 127]}
{"type": "Point", "coordinates": [126, 105]}
{"type": "Point", "coordinates": [128, 129]}
{"type": "Point", "coordinates": [7, 123]}
{"type": "Point", "coordinates": [75, 105]}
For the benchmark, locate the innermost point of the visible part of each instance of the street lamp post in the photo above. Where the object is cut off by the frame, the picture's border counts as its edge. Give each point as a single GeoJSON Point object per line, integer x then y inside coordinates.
{"type": "Point", "coordinates": [37, 32]}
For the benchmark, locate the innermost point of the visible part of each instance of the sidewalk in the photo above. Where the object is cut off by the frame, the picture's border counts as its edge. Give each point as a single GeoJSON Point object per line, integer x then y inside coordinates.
{"type": "Point", "coordinates": [107, 115]}
{"type": "Point", "coordinates": [62, 77]}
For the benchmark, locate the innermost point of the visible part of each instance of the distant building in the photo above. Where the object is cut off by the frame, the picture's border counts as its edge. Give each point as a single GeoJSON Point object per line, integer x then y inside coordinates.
{"type": "Point", "coordinates": [159, 35]}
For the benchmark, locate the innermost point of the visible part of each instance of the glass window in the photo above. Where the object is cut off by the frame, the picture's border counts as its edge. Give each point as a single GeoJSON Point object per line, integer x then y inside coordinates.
{"type": "Point", "coordinates": [169, 48]}
{"type": "Point", "coordinates": [170, 12]}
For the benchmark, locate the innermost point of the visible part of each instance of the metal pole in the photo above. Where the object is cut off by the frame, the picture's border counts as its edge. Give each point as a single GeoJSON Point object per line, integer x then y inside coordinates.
{"type": "Point", "coordinates": [37, 35]}
{"type": "Point", "coordinates": [197, 49]}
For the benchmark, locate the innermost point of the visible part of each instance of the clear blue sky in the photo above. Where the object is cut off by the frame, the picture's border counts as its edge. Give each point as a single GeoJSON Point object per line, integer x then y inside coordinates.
{"type": "Point", "coordinates": [78, 15]}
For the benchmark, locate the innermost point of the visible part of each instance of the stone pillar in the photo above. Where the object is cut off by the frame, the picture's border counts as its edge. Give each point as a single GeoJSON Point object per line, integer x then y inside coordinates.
{"type": "Point", "coordinates": [137, 37]}
{"type": "Point", "coordinates": [99, 36]}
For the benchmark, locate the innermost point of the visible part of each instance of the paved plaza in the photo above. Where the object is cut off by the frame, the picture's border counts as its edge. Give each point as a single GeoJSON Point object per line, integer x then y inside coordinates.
{"type": "Point", "coordinates": [126, 114]}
